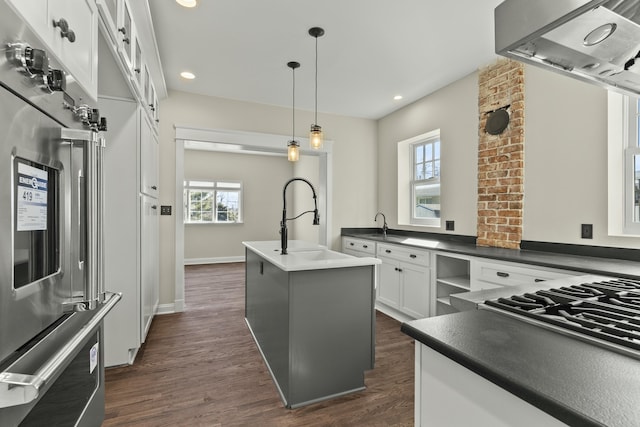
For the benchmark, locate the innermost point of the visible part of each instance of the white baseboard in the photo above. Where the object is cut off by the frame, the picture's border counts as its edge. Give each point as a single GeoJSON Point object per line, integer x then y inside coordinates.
{"type": "Point", "coordinates": [167, 308]}
{"type": "Point", "coordinates": [217, 260]}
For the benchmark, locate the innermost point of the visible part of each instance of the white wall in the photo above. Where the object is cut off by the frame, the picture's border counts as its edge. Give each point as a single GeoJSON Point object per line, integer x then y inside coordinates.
{"type": "Point", "coordinates": [262, 178]}
{"type": "Point", "coordinates": [566, 161]}
{"type": "Point", "coordinates": [454, 110]}
{"type": "Point", "coordinates": [354, 160]}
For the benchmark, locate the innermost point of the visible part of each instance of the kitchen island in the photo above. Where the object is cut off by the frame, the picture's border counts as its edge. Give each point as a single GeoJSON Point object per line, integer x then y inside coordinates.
{"type": "Point", "coordinates": [485, 368]}
{"type": "Point", "coordinates": [311, 314]}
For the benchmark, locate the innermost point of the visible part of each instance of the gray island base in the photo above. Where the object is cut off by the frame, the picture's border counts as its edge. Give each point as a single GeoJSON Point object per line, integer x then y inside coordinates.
{"type": "Point", "coordinates": [311, 314]}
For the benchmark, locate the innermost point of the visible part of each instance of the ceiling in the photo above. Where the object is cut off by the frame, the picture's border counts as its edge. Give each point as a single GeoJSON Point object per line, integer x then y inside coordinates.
{"type": "Point", "coordinates": [372, 50]}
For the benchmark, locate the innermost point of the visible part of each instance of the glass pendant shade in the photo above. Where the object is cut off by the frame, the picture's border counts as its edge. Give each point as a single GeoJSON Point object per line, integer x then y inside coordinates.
{"type": "Point", "coordinates": [316, 137]}
{"type": "Point", "coordinates": [293, 151]}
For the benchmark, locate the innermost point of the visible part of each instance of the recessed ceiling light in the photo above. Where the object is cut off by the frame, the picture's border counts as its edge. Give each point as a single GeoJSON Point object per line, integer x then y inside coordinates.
{"type": "Point", "coordinates": [187, 75]}
{"type": "Point", "coordinates": [397, 97]}
{"type": "Point", "coordinates": [187, 3]}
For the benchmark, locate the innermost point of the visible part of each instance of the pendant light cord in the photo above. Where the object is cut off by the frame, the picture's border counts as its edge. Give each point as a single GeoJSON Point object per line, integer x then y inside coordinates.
{"type": "Point", "coordinates": [293, 103]}
{"type": "Point", "coordinates": [316, 115]}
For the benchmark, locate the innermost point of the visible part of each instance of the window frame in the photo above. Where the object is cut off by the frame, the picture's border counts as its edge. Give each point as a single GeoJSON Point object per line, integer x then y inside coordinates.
{"type": "Point", "coordinates": [213, 187]}
{"type": "Point", "coordinates": [429, 138]}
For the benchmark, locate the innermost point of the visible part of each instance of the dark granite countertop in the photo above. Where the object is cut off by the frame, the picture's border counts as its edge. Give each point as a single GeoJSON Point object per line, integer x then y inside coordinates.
{"type": "Point", "coordinates": [463, 245]}
{"type": "Point", "coordinates": [577, 382]}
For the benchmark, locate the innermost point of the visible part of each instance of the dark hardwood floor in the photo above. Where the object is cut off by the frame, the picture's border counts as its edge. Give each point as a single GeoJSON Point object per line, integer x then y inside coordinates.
{"type": "Point", "coordinates": [202, 368]}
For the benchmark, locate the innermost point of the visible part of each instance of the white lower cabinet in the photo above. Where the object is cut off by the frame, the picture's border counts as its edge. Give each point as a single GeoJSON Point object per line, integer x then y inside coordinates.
{"type": "Point", "coordinates": [358, 247]}
{"type": "Point", "coordinates": [131, 233]}
{"type": "Point", "coordinates": [403, 281]}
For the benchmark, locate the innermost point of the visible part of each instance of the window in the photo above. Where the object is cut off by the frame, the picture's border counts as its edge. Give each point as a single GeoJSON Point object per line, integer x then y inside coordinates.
{"type": "Point", "coordinates": [425, 185]}
{"type": "Point", "coordinates": [632, 169]}
{"type": "Point", "coordinates": [212, 202]}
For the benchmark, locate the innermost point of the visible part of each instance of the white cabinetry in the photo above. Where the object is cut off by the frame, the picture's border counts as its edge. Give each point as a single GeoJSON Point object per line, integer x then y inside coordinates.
{"type": "Point", "coordinates": [488, 274]}
{"type": "Point", "coordinates": [358, 247]}
{"type": "Point", "coordinates": [403, 281]}
{"type": "Point", "coordinates": [69, 29]}
{"type": "Point", "coordinates": [131, 228]}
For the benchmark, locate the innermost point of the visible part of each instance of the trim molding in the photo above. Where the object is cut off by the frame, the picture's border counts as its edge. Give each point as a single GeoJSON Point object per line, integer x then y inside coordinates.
{"type": "Point", "coordinates": [216, 260]}
{"type": "Point", "coordinates": [166, 309]}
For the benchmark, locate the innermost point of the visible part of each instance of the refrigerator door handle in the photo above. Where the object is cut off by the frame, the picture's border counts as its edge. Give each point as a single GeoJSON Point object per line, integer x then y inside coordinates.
{"type": "Point", "coordinates": [19, 389]}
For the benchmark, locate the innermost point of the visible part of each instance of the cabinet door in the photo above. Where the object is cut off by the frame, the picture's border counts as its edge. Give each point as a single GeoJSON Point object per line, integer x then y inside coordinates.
{"type": "Point", "coordinates": [79, 53]}
{"type": "Point", "coordinates": [108, 10]}
{"type": "Point", "coordinates": [389, 283]}
{"type": "Point", "coordinates": [416, 285]}
{"type": "Point", "coordinates": [125, 30]}
{"type": "Point", "coordinates": [148, 158]}
{"type": "Point", "coordinates": [148, 262]}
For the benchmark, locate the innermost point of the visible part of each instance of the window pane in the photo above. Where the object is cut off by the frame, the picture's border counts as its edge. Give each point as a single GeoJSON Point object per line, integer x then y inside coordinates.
{"type": "Point", "coordinates": [436, 149]}
{"type": "Point", "coordinates": [207, 216]}
{"type": "Point", "coordinates": [427, 201]}
{"type": "Point", "coordinates": [436, 168]}
{"type": "Point", "coordinates": [419, 154]}
{"type": "Point", "coordinates": [428, 151]}
{"type": "Point", "coordinates": [428, 173]}
{"type": "Point", "coordinates": [636, 192]}
{"type": "Point", "coordinates": [195, 216]}
{"type": "Point", "coordinates": [419, 171]}
{"type": "Point", "coordinates": [229, 185]}
{"type": "Point", "coordinates": [206, 184]}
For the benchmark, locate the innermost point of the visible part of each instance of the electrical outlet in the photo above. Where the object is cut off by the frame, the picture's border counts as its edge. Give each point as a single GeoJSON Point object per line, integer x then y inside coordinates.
{"type": "Point", "coordinates": [586, 231]}
{"type": "Point", "coordinates": [449, 225]}
{"type": "Point", "coordinates": [165, 210]}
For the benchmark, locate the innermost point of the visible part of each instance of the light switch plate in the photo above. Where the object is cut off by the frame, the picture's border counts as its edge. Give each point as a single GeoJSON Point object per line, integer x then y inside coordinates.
{"type": "Point", "coordinates": [586, 231]}
{"type": "Point", "coordinates": [165, 210]}
{"type": "Point", "coordinates": [449, 225]}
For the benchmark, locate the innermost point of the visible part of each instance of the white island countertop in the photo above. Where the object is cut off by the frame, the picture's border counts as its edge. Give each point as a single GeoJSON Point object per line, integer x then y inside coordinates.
{"type": "Point", "coordinates": [302, 255]}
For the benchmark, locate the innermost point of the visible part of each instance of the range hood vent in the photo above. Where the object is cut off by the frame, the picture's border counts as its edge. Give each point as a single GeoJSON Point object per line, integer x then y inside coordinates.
{"type": "Point", "coordinates": [595, 41]}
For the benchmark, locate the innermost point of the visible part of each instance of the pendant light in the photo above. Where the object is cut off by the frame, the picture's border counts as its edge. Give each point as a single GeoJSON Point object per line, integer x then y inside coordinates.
{"type": "Point", "coordinates": [293, 146]}
{"type": "Point", "coordinates": [316, 138]}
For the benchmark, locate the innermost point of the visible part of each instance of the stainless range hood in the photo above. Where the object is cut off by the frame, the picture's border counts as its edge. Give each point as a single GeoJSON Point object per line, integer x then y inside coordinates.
{"type": "Point", "coordinates": [596, 41]}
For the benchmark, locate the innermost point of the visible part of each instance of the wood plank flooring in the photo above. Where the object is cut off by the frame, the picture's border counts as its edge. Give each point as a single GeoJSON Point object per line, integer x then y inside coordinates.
{"type": "Point", "coordinates": [202, 368]}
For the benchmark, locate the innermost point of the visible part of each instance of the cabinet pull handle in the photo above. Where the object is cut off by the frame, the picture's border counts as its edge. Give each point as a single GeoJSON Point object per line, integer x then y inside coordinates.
{"type": "Point", "coordinates": [365, 246]}
{"type": "Point", "coordinates": [399, 269]}
{"type": "Point", "coordinates": [501, 274]}
{"type": "Point", "coordinates": [154, 207]}
{"type": "Point", "coordinates": [154, 187]}
{"type": "Point", "coordinates": [137, 70]}
{"type": "Point", "coordinates": [351, 244]}
{"type": "Point", "coordinates": [388, 251]}
{"type": "Point", "coordinates": [413, 256]}
{"type": "Point", "coordinates": [123, 30]}
{"type": "Point", "coordinates": [539, 280]}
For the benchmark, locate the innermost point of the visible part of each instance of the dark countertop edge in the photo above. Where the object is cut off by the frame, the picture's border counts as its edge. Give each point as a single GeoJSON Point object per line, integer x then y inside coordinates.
{"type": "Point", "coordinates": [465, 245]}
{"type": "Point", "coordinates": [550, 406]}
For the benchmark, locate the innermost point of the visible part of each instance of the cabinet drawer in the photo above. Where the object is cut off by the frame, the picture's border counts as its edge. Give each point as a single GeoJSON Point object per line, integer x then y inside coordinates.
{"type": "Point", "coordinates": [360, 245]}
{"type": "Point", "coordinates": [405, 254]}
{"type": "Point", "coordinates": [508, 274]}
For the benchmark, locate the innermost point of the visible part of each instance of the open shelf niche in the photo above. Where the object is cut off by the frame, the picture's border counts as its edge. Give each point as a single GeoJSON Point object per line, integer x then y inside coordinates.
{"type": "Point", "coordinates": [452, 277]}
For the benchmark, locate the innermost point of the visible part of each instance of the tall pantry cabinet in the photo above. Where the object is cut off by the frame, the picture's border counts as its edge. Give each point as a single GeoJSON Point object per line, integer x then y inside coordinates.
{"type": "Point", "coordinates": [131, 227]}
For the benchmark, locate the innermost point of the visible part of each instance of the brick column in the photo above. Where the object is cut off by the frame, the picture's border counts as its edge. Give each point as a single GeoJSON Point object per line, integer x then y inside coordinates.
{"type": "Point", "coordinates": [501, 157]}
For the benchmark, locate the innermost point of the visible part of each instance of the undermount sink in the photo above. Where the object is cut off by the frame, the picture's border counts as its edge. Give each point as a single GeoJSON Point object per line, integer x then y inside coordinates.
{"type": "Point", "coordinates": [316, 254]}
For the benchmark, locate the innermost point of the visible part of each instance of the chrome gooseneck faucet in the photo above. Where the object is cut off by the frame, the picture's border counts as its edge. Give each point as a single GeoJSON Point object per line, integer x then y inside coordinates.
{"type": "Point", "coordinates": [283, 223]}
{"type": "Point", "coordinates": [384, 226]}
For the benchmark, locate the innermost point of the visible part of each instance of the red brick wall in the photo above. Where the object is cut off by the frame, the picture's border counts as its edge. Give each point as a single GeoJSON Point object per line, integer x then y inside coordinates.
{"type": "Point", "coordinates": [501, 157]}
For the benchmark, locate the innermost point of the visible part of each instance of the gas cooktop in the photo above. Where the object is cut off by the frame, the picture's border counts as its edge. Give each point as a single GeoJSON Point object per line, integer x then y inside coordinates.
{"type": "Point", "coordinates": [605, 312]}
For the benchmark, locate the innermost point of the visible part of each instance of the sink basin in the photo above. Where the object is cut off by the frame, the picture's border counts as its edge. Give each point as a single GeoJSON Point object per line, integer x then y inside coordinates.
{"type": "Point", "coordinates": [317, 255]}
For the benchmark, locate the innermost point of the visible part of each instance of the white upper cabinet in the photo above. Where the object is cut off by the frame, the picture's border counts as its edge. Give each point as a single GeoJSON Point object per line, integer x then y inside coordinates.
{"type": "Point", "coordinates": [69, 29]}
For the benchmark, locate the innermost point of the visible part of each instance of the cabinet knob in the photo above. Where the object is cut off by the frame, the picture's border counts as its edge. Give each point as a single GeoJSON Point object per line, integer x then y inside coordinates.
{"type": "Point", "coordinates": [413, 256]}
{"type": "Point", "coordinates": [502, 274]}
{"type": "Point", "coordinates": [365, 246]}
{"type": "Point", "coordinates": [65, 31]}
{"type": "Point", "coordinates": [137, 70]}
{"type": "Point", "coordinates": [154, 187]}
{"type": "Point", "coordinates": [154, 207]}
{"type": "Point", "coordinates": [388, 251]}
{"type": "Point", "coordinates": [351, 244]}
